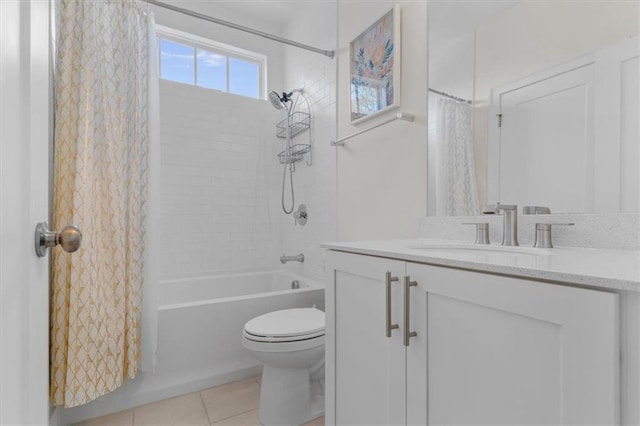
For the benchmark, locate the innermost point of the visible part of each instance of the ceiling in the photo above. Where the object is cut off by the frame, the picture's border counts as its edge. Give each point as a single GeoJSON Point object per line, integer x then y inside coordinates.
{"type": "Point", "coordinates": [450, 19]}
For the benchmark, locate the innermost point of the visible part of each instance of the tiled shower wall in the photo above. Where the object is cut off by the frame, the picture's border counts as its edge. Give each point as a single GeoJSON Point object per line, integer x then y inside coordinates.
{"type": "Point", "coordinates": [315, 185]}
{"type": "Point", "coordinates": [220, 189]}
{"type": "Point", "coordinates": [221, 179]}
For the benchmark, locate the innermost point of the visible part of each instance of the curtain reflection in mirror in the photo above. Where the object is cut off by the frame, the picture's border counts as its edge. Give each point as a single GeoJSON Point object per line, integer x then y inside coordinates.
{"type": "Point", "coordinates": [451, 145]}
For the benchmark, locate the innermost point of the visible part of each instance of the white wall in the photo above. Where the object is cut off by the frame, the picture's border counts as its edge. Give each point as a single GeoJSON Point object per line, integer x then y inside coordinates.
{"type": "Point", "coordinates": [451, 66]}
{"type": "Point", "coordinates": [315, 185]}
{"type": "Point", "coordinates": [382, 178]}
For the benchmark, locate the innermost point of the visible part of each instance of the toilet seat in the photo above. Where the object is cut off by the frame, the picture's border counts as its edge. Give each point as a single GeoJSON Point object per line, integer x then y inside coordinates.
{"type": "Point", "coordinates": [287, 325]}
{"type": "Point", "coordinates": [282, 339]}
{"type": "Point", "coordinates": [285, 330]}
{"type": "Point", "coordinates": [282, 346]}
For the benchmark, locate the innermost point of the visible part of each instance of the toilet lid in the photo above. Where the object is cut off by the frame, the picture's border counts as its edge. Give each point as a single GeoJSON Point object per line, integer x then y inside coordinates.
{"type": "Point", "coordinates": [287, 323]}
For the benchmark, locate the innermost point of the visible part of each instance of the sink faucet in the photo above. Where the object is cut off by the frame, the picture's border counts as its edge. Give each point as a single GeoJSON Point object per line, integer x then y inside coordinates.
{"type": "Point", "coordinates": [509, 224]}
{"type": "Point", "coordinates": [296, 258]}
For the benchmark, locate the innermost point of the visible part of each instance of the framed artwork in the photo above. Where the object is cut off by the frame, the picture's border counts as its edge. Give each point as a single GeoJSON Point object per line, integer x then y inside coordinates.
{"type": "Point", "coordinates": [375, 68]}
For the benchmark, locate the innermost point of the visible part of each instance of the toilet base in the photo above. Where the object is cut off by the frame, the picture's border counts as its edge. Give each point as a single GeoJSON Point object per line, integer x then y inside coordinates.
{"type": "Point", "coordinates": [317, 407]}
{"type": "Point", "coordinates": [285, 397]}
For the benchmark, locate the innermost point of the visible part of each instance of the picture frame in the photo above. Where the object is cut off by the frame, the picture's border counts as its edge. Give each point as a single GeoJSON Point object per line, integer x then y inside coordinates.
{"type": "Point", "coordinates": [375, 68]}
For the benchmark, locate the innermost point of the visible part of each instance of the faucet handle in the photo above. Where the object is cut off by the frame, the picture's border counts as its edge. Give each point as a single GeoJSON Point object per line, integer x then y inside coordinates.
{"type": "Point", "coordinates": [482, 232]}
{"type": "Point", "coordinates": [503, 207]}
{"type": "Point", "coordinates": [543, 234]}
{"type": "Point", "coordinates": [300, 215]}
{"type": "Point", "coordinates": [536, 210]}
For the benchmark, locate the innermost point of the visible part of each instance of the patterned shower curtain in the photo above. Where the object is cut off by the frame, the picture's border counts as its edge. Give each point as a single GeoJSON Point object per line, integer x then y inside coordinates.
{"type": "Point", "coordinates": [456, 189]}
{"type": "Point", "coordinates": [100, 184]}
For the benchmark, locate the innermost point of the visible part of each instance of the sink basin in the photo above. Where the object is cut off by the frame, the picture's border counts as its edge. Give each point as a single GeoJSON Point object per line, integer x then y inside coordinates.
{"type": "Point", "coordinates": [476, 249]}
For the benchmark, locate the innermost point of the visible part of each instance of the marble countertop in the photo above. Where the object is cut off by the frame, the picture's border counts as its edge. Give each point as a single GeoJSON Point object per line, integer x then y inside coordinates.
{"type": "Point", "coordinates": [605, 268]}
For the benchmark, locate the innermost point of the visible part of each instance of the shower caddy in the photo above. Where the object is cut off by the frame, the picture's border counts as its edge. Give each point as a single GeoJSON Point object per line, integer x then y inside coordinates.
{"type": "Point", "coordinates": [297, 122]}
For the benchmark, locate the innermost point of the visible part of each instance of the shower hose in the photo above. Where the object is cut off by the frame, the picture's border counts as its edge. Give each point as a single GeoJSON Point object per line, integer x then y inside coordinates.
{"type": "Point", "coordinates": [284, 179]}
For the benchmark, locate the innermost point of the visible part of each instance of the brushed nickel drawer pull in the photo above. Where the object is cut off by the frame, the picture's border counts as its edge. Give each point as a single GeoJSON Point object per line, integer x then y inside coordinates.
{"type": "Point", "coordinates": [388, 280]}
{"type": "Point", "coordinates": [407, 316]}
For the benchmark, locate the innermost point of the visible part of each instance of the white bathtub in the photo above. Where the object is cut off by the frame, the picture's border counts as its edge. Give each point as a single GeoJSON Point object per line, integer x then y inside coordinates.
{"type": "Point", "coordinates": [201, 320]}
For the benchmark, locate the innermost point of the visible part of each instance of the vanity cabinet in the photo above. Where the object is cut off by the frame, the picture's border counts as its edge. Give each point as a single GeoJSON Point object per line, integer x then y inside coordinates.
{"type": "Point", "coordinates": [488, 349]}
{"type": "Point", "coordinates": [368, 381]}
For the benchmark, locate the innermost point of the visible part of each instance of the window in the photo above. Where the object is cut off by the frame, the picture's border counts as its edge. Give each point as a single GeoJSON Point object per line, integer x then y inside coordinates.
{"type": "Point", "coordinates": [189, 59]}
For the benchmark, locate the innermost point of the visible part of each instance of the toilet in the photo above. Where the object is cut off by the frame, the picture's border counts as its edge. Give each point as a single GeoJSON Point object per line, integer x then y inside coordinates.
{"type": "Point", "coordinates": [290, 345]}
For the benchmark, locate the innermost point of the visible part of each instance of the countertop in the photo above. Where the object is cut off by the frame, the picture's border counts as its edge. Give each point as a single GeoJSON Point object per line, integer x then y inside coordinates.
{"type": "Point", "coordinates": [604, 268]}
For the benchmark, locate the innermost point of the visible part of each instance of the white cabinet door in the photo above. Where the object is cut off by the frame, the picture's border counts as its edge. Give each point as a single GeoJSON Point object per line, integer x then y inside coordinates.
{"type": "Point", "coordinates": [504, 350]}
{"type": "Point", "coordinates": [365, 373]}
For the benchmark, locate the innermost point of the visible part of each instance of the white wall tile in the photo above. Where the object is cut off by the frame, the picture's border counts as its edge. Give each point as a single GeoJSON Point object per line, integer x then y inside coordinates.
{"type": "Point", "coordinates": [218, 196]}
{"type": "Point", "coordinates": [221, 180]}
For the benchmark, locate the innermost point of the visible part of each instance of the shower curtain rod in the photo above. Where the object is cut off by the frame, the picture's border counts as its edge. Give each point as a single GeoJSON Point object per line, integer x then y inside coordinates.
{"type": "Point", "coordinates": [328, 53]}
{"type": "Point", "coordinates": [446, 95]}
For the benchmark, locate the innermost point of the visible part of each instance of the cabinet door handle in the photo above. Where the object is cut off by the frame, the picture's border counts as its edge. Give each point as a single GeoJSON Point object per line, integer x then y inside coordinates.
{"type": "Point", "coordinates": [388, 280]}
{"type": "Point", "coordinates": [407, 315]}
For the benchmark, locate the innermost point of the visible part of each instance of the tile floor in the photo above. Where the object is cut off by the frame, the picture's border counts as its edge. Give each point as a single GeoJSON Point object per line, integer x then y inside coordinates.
{"type": "Point", "coordinates": [231, 404]}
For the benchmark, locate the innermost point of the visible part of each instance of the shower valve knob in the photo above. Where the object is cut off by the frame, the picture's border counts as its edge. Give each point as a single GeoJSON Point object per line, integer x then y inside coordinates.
{"type": "Point", "coordinates": [69, 238]}
{"type": "Point", "coordinates": [300, 215]}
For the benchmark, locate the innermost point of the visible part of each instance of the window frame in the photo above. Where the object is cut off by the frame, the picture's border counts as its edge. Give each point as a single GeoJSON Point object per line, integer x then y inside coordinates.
{"type": "Point", "coordinates": [227, 50]}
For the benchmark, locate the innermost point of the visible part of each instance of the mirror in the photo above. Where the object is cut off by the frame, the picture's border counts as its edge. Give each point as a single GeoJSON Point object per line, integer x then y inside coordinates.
{"type": "Point", "coordinates": [534, 103]}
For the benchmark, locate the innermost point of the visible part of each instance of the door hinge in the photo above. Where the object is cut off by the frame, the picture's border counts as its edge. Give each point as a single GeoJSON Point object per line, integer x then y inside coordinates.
{"type": "Point", "coordinates": [499, 119]}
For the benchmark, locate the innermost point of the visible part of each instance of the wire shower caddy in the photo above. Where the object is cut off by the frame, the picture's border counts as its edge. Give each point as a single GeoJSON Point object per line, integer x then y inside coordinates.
{"type": "Point", "coordinates": [296, 123]}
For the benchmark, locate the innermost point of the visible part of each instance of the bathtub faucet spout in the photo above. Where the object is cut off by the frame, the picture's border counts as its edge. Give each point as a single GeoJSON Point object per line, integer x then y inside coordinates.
{"type": "Point", "coordinates": [296, 258]}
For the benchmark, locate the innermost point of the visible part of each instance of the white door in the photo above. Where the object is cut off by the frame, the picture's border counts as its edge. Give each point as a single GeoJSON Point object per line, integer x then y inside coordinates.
{"type": "Point", "coordinates": [617, 176]}
{"type": "Point", "coordinates": [546, 141]}
{"type": "Point", "coordinates": [510, 351]}
{"type": "Point", "coordinates": [24, 152]}
{"type": "Point", "coordinates": [365, 369]}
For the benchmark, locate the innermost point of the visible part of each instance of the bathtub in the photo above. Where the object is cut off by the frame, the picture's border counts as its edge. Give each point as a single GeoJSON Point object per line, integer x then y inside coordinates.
{"type": "Point", "coordinates": [200, 322]}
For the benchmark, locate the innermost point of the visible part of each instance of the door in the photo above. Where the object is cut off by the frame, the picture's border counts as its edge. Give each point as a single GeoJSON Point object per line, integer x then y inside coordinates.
{"type": "Point", "coordinates": [546, 140]}
{"type": "Point", "coordinates": [24, 152]}
{"type": "Point", "coordinates": [365, 368]}
{"type": "Point", "coordinates": [505, 350]}
{"type": "Point", "coordinates": [617, 167]}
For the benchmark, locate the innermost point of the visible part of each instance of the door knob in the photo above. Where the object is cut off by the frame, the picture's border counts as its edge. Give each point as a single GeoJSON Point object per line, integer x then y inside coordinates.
{"type": "Point", "coordinates": [69, 238]}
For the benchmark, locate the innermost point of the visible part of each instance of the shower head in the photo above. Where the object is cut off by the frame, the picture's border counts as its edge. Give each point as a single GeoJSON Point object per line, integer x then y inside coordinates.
{"type": "Point", "coordinates": [280, 101]}
{"type": "Point", "coordinates": [277, 101]}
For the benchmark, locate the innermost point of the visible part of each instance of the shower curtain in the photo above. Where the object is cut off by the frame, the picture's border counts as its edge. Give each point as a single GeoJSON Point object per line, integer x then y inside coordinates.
{"type": "Point", "coordinates": [105, 118]}
{"type": "Point", "coordinates": [456, 188]}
